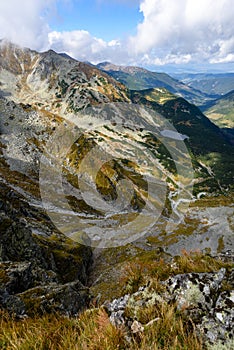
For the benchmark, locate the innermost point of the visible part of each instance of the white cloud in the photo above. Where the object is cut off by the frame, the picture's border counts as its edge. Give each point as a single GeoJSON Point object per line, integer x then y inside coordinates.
{"type": "Point", "coordinates": [195, 29]}
{"type": "Point", "coordinates": [83, 46]}
{"type": "Point", "coordinates": [172, 31]}
{"type": "Point", "coordinates": [24, 22]}
{"type": "Point", "coordinates": [76, 43]}
{"type": "Point", "coordinates": [179, 32]}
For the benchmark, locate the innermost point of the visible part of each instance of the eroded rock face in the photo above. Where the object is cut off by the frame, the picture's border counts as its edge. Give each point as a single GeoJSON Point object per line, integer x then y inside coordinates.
{"type": "Point", "coordinates": [69, 299]}
{"type": "Point", "coordinates": [55, 82]}
{"type": "Point", "coordinates": [202, 297]}
{"type": "Point", "coordinates": [38, 273]}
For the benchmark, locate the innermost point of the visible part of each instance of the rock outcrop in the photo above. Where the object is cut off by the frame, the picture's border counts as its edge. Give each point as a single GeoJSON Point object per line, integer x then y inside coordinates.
{"type": "Point", "coordinates": [38, 272]}
{"type": "Point", "coordinates": [54, 82]}
{"type": "Point", "coordinates": [205, 298]}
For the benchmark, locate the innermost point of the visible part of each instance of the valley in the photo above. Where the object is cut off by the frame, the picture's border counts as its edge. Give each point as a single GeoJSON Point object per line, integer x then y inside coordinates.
{"type": "Point", "coordinates": [102, 166]}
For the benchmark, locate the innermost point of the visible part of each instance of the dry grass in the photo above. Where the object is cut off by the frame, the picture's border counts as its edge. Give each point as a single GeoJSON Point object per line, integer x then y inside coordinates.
{"type": "Point", "coordinates": [146, 267]}
{"type": "Point", "coordinates": [92, 329]}
{"type": "Point", "coordinates": [169, 331]}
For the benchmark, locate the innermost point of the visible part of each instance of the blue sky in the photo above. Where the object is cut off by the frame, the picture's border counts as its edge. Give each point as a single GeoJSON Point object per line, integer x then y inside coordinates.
{"type": "Point", "coordinates": [163, 35]}
{"type": "Point", "coordinates": [104, 19]}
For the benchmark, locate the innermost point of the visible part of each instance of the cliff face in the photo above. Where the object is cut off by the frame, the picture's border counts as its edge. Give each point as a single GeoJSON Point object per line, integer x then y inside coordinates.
{"type": "Point", "coordinates": [40, 269]}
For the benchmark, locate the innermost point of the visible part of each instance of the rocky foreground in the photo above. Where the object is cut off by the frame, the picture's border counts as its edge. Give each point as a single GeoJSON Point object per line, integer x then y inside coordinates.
{"type": "Point", "coordinates": [201, 297]}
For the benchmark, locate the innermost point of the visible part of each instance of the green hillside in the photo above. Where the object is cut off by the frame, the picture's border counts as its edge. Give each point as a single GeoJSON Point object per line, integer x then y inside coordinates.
{"type": "Point", "coordinates": [221, 111]}
{"type": "Point", "coordinates": [159, 95]}
{"type": "Point", "coordinates": [211, 150]}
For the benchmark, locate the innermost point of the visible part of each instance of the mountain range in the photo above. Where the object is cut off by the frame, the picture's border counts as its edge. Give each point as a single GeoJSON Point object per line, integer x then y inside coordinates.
{"type": "Point", "coordinates": [136, 78]}
{"type": "Point", "coordinates": [216, 83]}
{"type": "Point", "coordinates": [88, 162]}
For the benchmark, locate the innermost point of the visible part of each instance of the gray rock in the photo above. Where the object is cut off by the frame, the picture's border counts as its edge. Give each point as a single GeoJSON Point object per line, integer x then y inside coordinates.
{"type": "Point", "coordinates": [68, 299]}
{"type": "Point", "coordinates": [199, 296]}
{"type": "Point", "coordinates": [195, 290]}
{"type": "Point", "coordinates": [38, 273]}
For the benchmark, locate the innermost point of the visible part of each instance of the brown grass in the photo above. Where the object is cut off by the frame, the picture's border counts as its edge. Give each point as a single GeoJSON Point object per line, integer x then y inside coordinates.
{"type": "Point", "coordinates": [146, 267]}
{"type": "Point", "coordinates": [92, 329]}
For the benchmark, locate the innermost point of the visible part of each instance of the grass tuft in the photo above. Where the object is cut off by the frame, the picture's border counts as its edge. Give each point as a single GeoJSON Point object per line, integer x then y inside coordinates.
{"type": "Point", "coordinates": [164, 327]}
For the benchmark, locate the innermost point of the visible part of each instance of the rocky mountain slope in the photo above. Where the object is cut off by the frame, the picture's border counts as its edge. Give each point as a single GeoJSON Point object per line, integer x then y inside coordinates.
{"type": "Point", "coordinates": [36, 91]}
{"type": "Point", "coordinates": [52, 82]}
{"type": "Point", "coordinates": [84, 161]}
{"type": "Point", "coordinates": [206, 141]}
{"type": "Point", "coordinates": [35, 259]}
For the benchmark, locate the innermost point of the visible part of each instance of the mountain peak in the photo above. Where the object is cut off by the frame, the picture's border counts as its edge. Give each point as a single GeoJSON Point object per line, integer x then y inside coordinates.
{"type": "Point", "coordinates": [108, 66]}
{"type": "Point", "coordinates": [53, 81]}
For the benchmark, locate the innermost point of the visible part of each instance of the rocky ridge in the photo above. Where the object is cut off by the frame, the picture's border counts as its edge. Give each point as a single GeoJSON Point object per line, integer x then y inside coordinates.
{"type": "Point", "coordinates": [52, 82]}
{"type": "Point", "coordinates": [137, 78]}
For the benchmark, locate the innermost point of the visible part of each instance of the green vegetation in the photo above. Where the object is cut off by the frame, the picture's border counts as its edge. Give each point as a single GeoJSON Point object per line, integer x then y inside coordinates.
{"type": "Point", "coordinates": [136, 78]}
{"type": "Point", "coordinates": [159, 95]}
{"type": "Point", "coordinates": [221, 111]}
{"type": "Point", "coordinates": [67, 255]}
{"type": "Point", "coordinates": [210, 150]}
{"type": "Point", "coordinates": [103, 80]}
{"type": "Point", "coordinates": [63, 86]}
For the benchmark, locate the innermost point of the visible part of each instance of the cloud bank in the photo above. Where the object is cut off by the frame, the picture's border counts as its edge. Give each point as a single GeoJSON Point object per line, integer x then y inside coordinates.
{"type": "Point", "coordinates": [82, 45]}
{"type": "Point", "coordinates": [25, 22]}
{"type": "Point", "coordinates": [185, 30]}
{"type": "Point", "coordinates": [171, 32]}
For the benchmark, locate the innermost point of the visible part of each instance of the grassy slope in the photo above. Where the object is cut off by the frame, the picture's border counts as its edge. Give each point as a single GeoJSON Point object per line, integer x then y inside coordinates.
{"type": "Point", "coordinates": [159, 95]}
{"type": "Point", "coordinates": [221, 111]}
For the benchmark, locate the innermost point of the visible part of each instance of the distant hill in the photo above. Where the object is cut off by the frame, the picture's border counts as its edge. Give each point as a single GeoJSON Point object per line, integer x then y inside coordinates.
{"type": "Point", "coordinates": [221, 111]}
{"type": "Point", "coordinates": [209, 83]}
{"type": "Point", "coordinates": [136, 78]}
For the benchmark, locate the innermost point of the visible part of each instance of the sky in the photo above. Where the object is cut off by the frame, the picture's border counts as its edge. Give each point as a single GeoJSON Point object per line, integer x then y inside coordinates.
{"type": "Point", "coordinates": [163, 35]}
